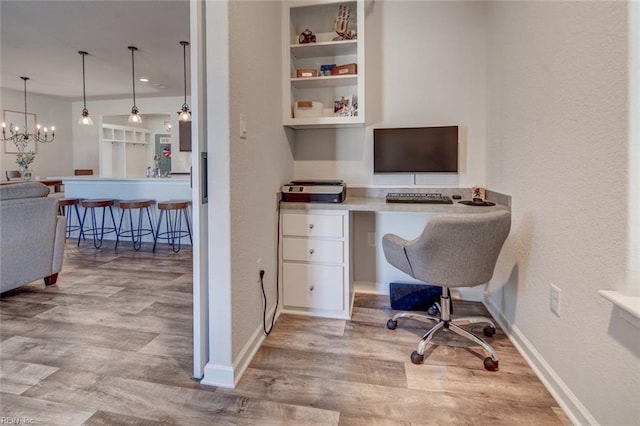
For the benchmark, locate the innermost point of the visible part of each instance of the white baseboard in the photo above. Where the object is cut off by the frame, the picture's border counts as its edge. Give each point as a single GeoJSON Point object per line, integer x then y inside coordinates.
{"type": "Point", "coordinates": [228, 376]}
{"type": "Point", "coordinates": [566, 399]}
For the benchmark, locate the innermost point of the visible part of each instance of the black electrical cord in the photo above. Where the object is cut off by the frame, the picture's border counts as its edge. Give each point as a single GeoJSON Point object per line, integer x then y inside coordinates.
{"type": "Point", "coordinates": [264, 295]}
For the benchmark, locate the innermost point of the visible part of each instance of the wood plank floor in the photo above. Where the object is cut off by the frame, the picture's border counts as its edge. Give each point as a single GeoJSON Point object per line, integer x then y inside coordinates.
{"type": "Point", "coordinates": [110, 344]}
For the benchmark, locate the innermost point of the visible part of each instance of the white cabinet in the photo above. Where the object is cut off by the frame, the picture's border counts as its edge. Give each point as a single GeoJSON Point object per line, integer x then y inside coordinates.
{"type": "Point", "coordinates": [315, 263]}
{"type": "Point", "coordinates": [125, 151]}
{"type": "Point", "coordinates": [345, 87]}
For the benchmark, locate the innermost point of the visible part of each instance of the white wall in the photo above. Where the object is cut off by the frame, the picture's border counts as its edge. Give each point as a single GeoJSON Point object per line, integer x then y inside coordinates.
{"type": "Point", "coordinates": [425, 66]}
{"type": "Point", "coordinates": [52, 159]}
{"type": "Point", "coordinates": [86, 150]}
{"type": "Point", "coordinates": [557, 123]}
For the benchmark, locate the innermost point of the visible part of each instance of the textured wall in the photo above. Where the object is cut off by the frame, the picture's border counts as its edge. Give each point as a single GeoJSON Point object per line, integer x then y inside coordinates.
{"type": "Point", "coordinates": [52, 159]}
{"type": "Point", "coordinates": [260, 164]}
{"type": "Point", "coordinates": [557, 142]}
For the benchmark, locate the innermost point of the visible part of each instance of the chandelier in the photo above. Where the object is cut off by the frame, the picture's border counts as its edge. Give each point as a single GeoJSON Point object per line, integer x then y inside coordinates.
{"type": "Point", "coordinates": [22, 138]}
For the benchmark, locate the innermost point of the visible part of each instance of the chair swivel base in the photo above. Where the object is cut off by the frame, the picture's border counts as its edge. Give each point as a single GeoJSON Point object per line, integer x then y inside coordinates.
{"type": "Point", "coordinates": [445, 322]}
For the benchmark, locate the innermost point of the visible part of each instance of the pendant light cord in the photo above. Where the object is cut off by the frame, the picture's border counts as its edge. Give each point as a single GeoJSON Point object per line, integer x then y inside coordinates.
{"type": "Point", "coordinates": [25, 103]}
{"type": "Point", "coordinates": [184, 62]}
{"type": "Point", "coordinates": [184, 44]}
{"type": "Point", "coordinates": [84, 89]}
{"type": "Point", "coordinates": [133, 74]}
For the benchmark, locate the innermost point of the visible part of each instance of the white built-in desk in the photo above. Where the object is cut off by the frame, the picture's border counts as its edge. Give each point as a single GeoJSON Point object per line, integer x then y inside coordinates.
{"type": "Point", "coordinates": [317, 251]}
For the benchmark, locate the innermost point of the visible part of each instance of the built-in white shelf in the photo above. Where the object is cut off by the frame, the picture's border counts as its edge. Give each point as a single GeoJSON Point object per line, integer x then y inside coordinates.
{"type": "Point", "coordinates": [319, 17]}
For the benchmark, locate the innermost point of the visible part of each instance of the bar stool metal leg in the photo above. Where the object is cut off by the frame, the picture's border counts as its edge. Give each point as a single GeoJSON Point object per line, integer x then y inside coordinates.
{"type": "Point", "coordinates": [92, 205]}
{"type": "Point", "coordinates": [138, 232]}
{"type": "Point", "coordinates": [173, 213]}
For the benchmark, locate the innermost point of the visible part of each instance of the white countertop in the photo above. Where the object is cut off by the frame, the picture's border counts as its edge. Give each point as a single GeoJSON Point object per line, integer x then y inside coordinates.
{"type": "Point", "coordinates": [176, 179]}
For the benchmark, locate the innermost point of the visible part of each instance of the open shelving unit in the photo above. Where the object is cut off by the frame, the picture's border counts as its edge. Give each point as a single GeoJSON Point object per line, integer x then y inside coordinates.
{"type": "Point", "coordinates": [123, 149]}
{"type": "Point", "coordinates": [319, 17]}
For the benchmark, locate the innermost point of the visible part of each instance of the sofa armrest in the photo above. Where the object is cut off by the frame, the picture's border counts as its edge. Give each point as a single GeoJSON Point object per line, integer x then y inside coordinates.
{"type": "Point", "coordinates": [58, 244]}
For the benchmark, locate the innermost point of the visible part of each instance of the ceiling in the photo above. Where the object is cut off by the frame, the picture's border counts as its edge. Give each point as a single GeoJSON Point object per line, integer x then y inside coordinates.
{"type": "Point", "coordinates": [41, 40]}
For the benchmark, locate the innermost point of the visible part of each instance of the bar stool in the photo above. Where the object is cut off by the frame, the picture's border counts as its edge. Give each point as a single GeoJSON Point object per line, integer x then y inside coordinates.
{"type": "Point", "coordinates": [94, 231]}
{"type": "Point", "coordinates": [64, 204]}
{"type": "Point", "coordinates": [137, 233]}
{"type": "Point", "coordinates": [175, 210]}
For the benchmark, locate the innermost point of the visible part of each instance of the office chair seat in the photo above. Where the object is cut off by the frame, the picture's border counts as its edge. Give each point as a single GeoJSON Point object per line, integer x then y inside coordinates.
{"type": "Point", "coordinates": [452, 251]}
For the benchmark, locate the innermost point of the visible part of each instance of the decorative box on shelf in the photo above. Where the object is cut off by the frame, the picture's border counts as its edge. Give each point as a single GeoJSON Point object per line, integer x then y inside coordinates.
{"type": "Point", "coordinates": [307, 109]}
{"type": "Point", "coordinates": [301, 73]}
{"type": "Point", "coordinates": [345, 69]}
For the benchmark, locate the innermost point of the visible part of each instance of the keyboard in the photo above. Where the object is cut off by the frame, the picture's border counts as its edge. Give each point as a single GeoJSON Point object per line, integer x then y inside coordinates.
{"type": "Point", "coordinates": [418, 197]}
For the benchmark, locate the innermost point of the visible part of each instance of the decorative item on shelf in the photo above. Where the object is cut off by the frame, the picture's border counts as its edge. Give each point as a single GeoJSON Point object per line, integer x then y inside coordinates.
{"type": "Point", "coordinates": [23, 139]}
{"type": "Point", "coordinates": [185, 112]}
{"type": "Point", "coordinates": [307, 37]}
{"type": "Point", "coordinates": [326, 69]}
{"type": "Point", "coordinates": [345, 69]}
{"type": "Point", "coordinates": [306, 73]}
{"type": "Point", "coordinates": [343, 106]}
{"type": "Point", "coordinates": [134, 117]}
{"type": "Point", "coordinates": [23, 159]}
{"type": "Point", "coordinates": [342, 24]}
{"type": "Point", "coordinates": [84, 117]}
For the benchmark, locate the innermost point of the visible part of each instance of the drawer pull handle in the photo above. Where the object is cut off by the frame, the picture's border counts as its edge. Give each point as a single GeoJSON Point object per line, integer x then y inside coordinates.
{"type": "Point", "coordinates": [311, 251]}
{"type": "Point", "coordinates": [311, 226]}
{"type": "Point", "coordinates": [311, 288]}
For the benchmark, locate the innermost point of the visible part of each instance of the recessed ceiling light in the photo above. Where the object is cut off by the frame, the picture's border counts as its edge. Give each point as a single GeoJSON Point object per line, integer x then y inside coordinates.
{"type": "Point", "coordinates": [162, 86]}
{"type": "Point", "coordinates": [144, 80]}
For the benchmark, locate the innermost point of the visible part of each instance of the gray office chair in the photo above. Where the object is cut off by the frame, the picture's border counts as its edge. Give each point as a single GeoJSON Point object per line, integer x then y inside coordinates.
{"type": "Point", "coordinates": [452, 251]}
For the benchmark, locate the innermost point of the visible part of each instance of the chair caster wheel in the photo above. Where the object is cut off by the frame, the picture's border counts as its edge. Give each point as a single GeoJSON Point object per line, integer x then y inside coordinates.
{"type": "Point", "coordinates": [490, 364]}
{"type": "Point", "coordinates": [391, 324]}
{"type": "Point", "coordinates": [489, 331]}
{"type": "Point", "coordinates": [416, 358]}
{"type": "Point", "coordinates": [433, 310]}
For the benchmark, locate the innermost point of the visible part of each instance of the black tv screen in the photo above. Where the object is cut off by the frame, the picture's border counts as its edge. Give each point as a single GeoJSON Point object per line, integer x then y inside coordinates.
{"type": "Point", "coordinates": [415, 150]}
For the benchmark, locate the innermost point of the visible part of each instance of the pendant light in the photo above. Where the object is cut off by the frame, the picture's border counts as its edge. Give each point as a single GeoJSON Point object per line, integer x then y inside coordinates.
{"type": "Point", "coordinates": [84, 118]}
{"type": "Point", "coordinates": [184, 114]}
{"type": "Point", "coordinates": [134, 117]}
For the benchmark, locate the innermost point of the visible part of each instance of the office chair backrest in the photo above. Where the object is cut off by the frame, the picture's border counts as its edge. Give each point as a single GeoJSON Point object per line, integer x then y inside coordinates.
{"type": "Point", "coordinates": [12, 174]}
{"type": "Point", "coordinates": [83, 172]}
{"type": "Point", "coordinates": [459, 250]}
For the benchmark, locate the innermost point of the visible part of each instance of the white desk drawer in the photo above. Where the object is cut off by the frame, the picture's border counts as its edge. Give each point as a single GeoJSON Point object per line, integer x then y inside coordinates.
{"type": "Point", "coordinates": [313, 286]}
{"type": "Point", "coordinates": [312, 225]}
{"type": "Point", "coordinates": [311, 250]}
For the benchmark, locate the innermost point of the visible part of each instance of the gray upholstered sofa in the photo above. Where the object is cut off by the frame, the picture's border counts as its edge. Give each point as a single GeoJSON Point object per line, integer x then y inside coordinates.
{"type": "Point", "coordinates": [31, 235]}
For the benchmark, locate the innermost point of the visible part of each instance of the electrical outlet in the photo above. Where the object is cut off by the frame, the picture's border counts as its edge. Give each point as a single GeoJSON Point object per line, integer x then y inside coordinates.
{"type": "Point", "coordinates": [554, 299]}
{"type": "Point", "coordinates": [371, 239]}
{"type": "Point", "coordinates": [258, 268]}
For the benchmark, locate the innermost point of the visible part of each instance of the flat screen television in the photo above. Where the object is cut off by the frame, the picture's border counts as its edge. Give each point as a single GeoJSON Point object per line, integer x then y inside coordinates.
{"type": "Point", "coordinates": [416, 150]}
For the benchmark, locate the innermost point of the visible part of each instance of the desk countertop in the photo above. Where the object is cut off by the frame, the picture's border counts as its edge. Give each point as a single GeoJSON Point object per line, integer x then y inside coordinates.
{"type": "Point", "coordinates": [373, 200]}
